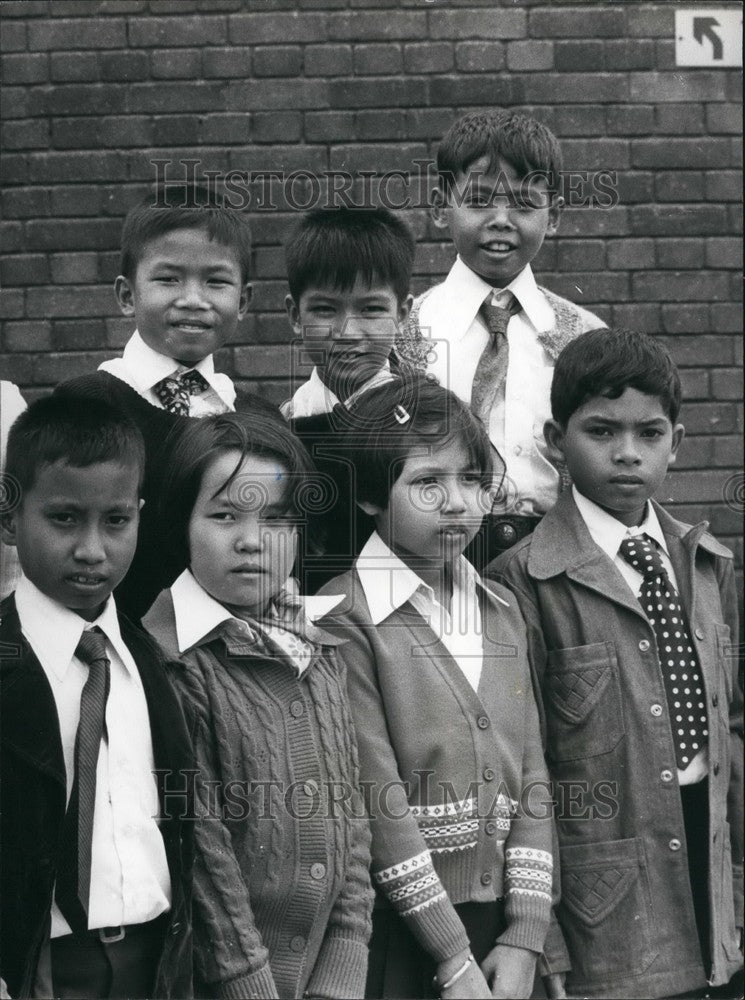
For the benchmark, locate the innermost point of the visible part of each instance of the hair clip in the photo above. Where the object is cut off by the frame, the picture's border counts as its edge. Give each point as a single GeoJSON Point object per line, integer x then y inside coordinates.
{"type": "Point", "coordinates": [402, 416]}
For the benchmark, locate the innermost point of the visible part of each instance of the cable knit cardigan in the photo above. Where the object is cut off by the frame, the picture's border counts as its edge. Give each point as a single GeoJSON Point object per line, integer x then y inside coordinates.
{"type": "Point", "coordinates": [281, 883]}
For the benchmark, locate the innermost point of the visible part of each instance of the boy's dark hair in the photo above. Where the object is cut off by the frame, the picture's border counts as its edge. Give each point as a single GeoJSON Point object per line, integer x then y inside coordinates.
{"type": "Point", "coordinates": [183, 207]}
{"type": "Point", "coordinates": [332, 247]}
{"type": "Point", "coordinates": [68, 428]}
{"type": "Point", "coordinates": [403, 415]}
{"type": "Point", "coordinates": [523, 142]}
{"type": "Point", "coordinates": [259, 433]}
{"type": "Point", "coordinates": [605, 362]}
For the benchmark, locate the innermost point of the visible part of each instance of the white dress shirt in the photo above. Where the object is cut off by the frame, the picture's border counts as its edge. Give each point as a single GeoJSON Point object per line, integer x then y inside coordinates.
{"type": "Point", "coordinates": [449, 315]}
{"type": "Point", "coordinates": [607, 532]}
{"type": "Point", "coordinates": [130, 883]}
{"type": "Point", "coordinates": [142, 368]}
{"type": "Point", "coordinates": [314, 396]}
{"type": "Point", "coordinates": [388, 583]}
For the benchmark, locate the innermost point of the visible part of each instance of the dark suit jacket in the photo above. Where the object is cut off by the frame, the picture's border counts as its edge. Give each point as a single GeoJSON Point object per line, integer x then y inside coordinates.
{"type": "Point", "coordinates": [33, 783]}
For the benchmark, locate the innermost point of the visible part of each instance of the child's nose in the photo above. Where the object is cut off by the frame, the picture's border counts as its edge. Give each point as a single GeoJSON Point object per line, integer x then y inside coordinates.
{"type": "Point", "coordinates": [500, 215]}
{"type": "Point", "coordinates": [350, 327]}
{"type": "Point", "coordinates": [89, 547]}
{"type": "Point", "coordinates": [628, 450]}
{"type": "Point", "coordinates": [455, 502]}
{"type": "Point", "coordinates": [193, 296]}
{"type": "Point", "coordinates": [249, 537]}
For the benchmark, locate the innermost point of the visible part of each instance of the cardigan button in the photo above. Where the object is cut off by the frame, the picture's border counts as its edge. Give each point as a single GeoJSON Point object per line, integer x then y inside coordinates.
{"type": "Point", "coordinates": [699, 633]}
{"type": "Point", "coordinates": [318, 871]}
{"type": "Point", "coordinates": [674, 844]}
{"type": "Point", "coordinates": [714, 700]}
{"type": "Point", "coordinates": [297, 943]}
{"type": "Point", "coordinates": [488, 774]}
{"type": "Point", "coordinates": [483, 722]}
{"type": "Point", "coordinates": [297, 708]}
{"type": "Point", "coordinates": [490, 829]}
{"type": "Point", "coordinates": [656, 710]}
{"type": "Point", "coordinates": [486, 878]}
{"type": "Point", "coordinates": [644, 645]}
{"type": "Point", "coordinates": [666, 776]}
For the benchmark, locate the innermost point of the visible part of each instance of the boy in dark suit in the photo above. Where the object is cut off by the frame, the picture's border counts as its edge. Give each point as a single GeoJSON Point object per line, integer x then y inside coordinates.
{"type": "Point", "coordinates": [95, 860]}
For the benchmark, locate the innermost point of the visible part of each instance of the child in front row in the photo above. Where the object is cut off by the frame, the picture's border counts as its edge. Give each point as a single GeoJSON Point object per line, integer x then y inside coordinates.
{"type": "Point", "coordinates": [450, 749]}
{"type": "Point", "coordinates": [632, 623]}
{"type": "Point", "coordinates": [95, 858]}
{"type": "Point", "coordinates": [282, 890]}
{"type": "Point", "coordinates": [349, 271]}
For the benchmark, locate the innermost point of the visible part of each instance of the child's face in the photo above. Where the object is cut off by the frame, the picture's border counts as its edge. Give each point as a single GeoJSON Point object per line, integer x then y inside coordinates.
{"type": "Point", "coordinates": [498, 221]}
{"type": "Point", "coordinates": [76, 532]}
{"type": "Point", "coordinates": [435, 507]}
{"type": "Point", "coordinates": [617, 451]}
{"type": "Point", "coordinates": [241, 542]}
{"type": "Point", "coordinates": [187, 295]}
{"type": "Point", "coordinates": [349, 334]}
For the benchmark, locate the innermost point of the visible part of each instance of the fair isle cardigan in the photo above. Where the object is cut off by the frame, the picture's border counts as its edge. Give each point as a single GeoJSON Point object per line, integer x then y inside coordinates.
{"type": "Point", "coordinates": [281, 881]}
{"type": "Point", "coordinates": [454, 779]}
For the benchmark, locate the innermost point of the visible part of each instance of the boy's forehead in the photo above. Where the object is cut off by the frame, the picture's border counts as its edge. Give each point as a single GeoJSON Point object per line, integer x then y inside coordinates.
{"type": "Point", "coordinates": [362, 287]}
{"type": "Point", "coordinates": [631, 405]}
{"type": "Point", "coordinates": [189, 241]}
{"type": "Point", "coordinates": [499, 174]}
{"type": "Point", "coordinates": [62, 478]}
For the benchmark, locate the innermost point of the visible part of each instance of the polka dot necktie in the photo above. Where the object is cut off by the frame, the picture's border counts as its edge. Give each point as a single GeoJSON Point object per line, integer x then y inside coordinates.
{"type": "Point", "coordinates": [678, 661]}
{"type": "Point", "coordinates": [74, 874]}
{"type": "Point", "coordinates": [175, 391]}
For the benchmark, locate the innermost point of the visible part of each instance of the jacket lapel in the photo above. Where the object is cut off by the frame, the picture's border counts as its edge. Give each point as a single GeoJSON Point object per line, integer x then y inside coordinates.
{"type": "Point", "coordinates": [24, 683]}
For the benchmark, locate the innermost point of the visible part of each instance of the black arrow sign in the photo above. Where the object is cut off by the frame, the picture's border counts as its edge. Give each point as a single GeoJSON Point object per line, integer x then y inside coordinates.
{"type": "Point", "coordinates": [703, 27]}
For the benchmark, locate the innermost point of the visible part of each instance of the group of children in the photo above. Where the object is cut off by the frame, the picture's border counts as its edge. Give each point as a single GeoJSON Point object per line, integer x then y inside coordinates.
{"type": "Point", "coordinates": [309, 747]}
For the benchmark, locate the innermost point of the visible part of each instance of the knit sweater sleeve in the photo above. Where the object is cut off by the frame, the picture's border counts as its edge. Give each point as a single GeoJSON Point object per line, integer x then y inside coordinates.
{"type": "Point", "coordinates": [402, 866]}
{"type": "Point", "coordinates": [341, 967]}
{"type": "Point", "coordinates": [229, 952]}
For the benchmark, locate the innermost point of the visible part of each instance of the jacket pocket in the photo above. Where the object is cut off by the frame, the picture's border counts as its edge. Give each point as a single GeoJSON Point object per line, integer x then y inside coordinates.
{"type": "Point", "coordinates": [606, 910]}
{"type": "Point", "coordinates": [583, 702]}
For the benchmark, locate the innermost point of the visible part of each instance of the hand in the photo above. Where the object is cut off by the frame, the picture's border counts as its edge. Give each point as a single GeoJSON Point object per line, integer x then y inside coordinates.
{"type": "Point", "coordinates": [554, 985]}
{"type": "Point", "coordinates": [4, 995]}
{"type": "Point", "coordinates": [471, 984]}
{"type": "Point", "coordinates": [510, 971]}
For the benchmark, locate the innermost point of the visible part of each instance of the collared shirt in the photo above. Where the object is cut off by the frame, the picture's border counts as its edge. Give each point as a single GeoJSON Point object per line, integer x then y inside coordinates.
{"type": "Point", "coordinates": [198, 614]}
{"type": "Point", "coordinates": [130, 883]}
{"type": "Point", "coordinates": [607, 532]}
{"type": "Point", "coordinates": [388, 583]}
{"type": "Point", "coordinates": [450, 316]}
{"type": "Point", "coordinates": [142, 368]}
{"type": "Point", "coordinates": [314, 397]}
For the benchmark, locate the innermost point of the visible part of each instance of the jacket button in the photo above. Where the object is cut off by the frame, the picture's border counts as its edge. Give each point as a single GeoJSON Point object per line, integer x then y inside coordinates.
{"type": "Point", "coordinates": [666, 775]}
{"type": "Point", "coordinates": [176, 927]}
{"type": "Point", "coordinates": [296, 709]}
{"type": "Point", "coordinates": [486, 878]}
{"type": "Point", "coordinates": [644, 645]}
{"type": "Point", "coordinates": [483, 722]}
{"type": "Point", "coordinates": [674, 844]}
{"type": "Point", "coordinates": [488, 774]}
{"type": "Point", "coordinates": [297, 943]}
{"type": "Point", "coordinates": [656, 710]}
{"type": "Point", "coordinates": [699, 633]}
{"type": "Point", "coordinates": [506, 534]}
{"type": "Point", "coordinates": [317, 871]}
{"type": "Point", "coordinates": [716, 768]}
{"type": "Point", "coordinates": [491, 829]}
{"type": "Point", "coordinates": [714, 700]}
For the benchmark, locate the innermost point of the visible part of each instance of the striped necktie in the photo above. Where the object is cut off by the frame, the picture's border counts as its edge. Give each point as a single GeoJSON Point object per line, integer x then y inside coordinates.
{"type": "Point", "coordinates": [74, 872]}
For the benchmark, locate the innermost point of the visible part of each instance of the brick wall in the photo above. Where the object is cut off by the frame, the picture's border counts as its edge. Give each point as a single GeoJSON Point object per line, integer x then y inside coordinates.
{"type": "Point", "coordinates": [93, 90]}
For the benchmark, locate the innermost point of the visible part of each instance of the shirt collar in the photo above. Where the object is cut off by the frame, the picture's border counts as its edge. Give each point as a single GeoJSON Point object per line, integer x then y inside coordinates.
{"type": "Point", "coordinates": [314, 396]}
{"type": "Point", "coordinates": [148, 367]}
{"type": "Point", "coordinates": [388, 583]}
{"type": "Point", "coordinates": [467, 291]}
{"type": "Point", "coordinates": [198, 614]}
{"type": "Point", "coordinates": [607, 531]}
{"type": "Point", "coordinates": [54, 631]}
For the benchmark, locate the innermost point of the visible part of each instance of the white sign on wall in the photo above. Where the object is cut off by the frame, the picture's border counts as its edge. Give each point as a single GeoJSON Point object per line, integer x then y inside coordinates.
{"type": "Point", "coordinates": [708, 36]}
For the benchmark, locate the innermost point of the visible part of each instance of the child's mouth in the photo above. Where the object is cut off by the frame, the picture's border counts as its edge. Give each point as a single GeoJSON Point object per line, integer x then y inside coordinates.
{"type": "Point", "coordinates": [86, 580]}
{"type": "Point", "coordinates": [497, 247]}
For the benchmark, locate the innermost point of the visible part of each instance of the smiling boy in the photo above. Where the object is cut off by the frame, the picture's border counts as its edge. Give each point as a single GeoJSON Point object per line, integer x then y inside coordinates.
{"type": "Point", "coordinates": [632, 616]}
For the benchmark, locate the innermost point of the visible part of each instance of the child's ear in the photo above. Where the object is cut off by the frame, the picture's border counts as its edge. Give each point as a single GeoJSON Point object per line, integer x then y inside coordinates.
{"type": "Point", "coordinates": [8, 528]}
{"type": "Point", "coordinates": [553, 434]}
{"type": "Point", "coordinates": [247, 293]}
{"type": "Point", "coordinates": [439, 210]}
{"type": "Point", "coordinates": [125, 295]}
{"type": "Point", "coordinates": [369, 508]}
{"type": "Point", "coordinates": [679, 432]}
{"type": "Point", "coordinates": [404, 308]}
{"type": "Point", "coordinates": [554, 214]}
{"type": "Point", "coordinates": [293, 314]}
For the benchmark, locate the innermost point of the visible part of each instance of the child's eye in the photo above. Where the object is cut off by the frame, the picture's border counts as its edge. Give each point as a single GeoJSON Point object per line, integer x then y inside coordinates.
{"type": "Point", "coordinates": [165, 279]}
{"type": "Point", "coordinates": [119, 520]}
{"type": "Point", "coordinates": [599, 432]}
{"type": "Point", "coordinates": [652, 432]}
{"type": "Point", "coordinates": [426, 481]}
{"type": "Point", "coordinates": [471, 478]}
{"type": "Point", "coordinates": [221, 515]}
{"type": "Point", "coordinates": [62, 518]}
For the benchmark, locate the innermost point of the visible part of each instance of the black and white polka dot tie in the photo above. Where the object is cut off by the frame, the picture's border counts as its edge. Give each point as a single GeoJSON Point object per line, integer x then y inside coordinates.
{"type": "Point", "coordinates": [683, 685]}
{"type": "Point", "coordinates": [176, 390]}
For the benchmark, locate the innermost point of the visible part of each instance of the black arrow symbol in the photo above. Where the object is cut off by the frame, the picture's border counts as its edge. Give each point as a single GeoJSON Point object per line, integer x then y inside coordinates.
{"type": "Point", "coordinates": [703, 27]}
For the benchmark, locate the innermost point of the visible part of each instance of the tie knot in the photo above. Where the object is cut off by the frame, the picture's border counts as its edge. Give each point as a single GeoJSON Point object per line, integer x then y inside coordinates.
{"type": "Point", "coordinates": [496, 317]}
{"type": "Point", "coordinates": [193, 380]}
{"type": "Point", "coordinates": [92, 647]}
{"type": "Point", "coordinates": [642, 553]}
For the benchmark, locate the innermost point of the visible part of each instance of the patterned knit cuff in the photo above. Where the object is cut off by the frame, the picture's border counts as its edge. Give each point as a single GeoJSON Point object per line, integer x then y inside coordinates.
{"type": "Point", "coordinates": [415, 891]}
{"type": "Point", "coordinates": [340, 969]}
{"type": "Point", "coordinates": [251, 986]}
{"type": "Point", "coordinates": [528, 877]}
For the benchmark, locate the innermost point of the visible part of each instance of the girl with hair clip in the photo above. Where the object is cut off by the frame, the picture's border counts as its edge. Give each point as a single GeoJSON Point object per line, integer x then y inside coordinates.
{"type": "Point", "coordinates": [439, 682]}
{"type": "Point", "coordinates": [281, 881]}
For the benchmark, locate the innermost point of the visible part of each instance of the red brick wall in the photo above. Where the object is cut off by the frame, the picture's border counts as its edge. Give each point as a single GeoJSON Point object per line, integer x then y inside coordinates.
{"type": "Point", "coordinates": [95, 89]}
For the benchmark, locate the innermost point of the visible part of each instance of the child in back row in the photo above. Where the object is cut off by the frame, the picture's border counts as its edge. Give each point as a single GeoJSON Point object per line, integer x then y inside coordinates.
{"type": "Point", "coordinates": [632, 620]}
{"type": "Point", "coordinates": [95, 861]}
{"type": "Point", "coordinates": [489, 332]}
{"type": "Point", "coordinates": [282, 888]}
{"type": "Point", "coordinates": [450, 749]}
{"type": "Point", "coordinates": [349, 271]}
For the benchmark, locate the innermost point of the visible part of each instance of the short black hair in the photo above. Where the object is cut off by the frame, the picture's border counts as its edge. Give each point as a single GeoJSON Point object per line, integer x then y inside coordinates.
{"type": "Point", "coordinates": [183, 207]}
{"type": "Point", "coordinates": [260, 433]}
{"type": "Point", "coordinates": [606, 362]}
{"type": "Point", "coordinates": [71, 429]}
{"type": "Point", "coordinates": [334, 246]}
{"type": "Point", "coordinates": [389, 422]}
{"type": "Point", "coordinates": [526, 144]}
